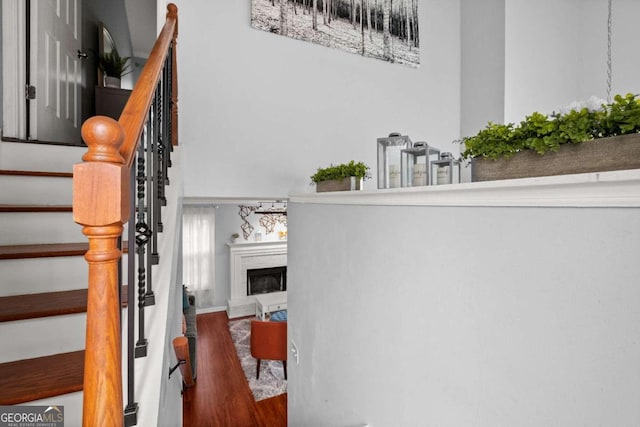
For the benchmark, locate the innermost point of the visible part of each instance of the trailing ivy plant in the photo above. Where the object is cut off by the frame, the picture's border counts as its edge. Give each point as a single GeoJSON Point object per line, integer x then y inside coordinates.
{"type": "Point", "coordinates": [543, 133]}
{"type": "Point", "coordinates": [344, 170]}
{"type": "Point", "coordinates": [623, 115]}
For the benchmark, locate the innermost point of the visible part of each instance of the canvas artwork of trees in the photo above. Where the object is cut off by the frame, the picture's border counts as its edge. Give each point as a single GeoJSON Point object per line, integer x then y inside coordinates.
{"type": "Point", "coordinates": [382, 29]}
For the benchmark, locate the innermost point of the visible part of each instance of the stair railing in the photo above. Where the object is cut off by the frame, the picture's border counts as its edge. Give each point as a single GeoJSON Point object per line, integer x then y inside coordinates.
{"type": "Point", "coordinates": [122, 180]}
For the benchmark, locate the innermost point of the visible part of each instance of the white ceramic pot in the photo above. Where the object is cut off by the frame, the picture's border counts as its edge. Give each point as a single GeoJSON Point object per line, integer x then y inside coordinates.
{"type": "Point", "coordinates": [112, 82]}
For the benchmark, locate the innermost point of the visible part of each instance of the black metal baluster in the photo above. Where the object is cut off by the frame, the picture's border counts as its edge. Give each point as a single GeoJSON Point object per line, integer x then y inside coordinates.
{"type": "Point", "coordinates": [170, 108]}
{"type": "Point", "coordinates": [131, 410]}
{"type": "Point", "coordinates": [142, 238]}
{"type": "Point", "coordinates": [161, 137]}
{"type": "Point", "coordinates": [167, 119]}
{"type": "Point", "coordinates": [161, 148]}
{"type": "Point", "coordinates": [149, 297]}
{"type": "Point", "coordinates": [156, 215]}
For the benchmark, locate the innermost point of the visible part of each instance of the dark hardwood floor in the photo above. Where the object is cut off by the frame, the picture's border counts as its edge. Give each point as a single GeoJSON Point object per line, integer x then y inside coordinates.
{"type": "Point", "coordinates": [221, 396]}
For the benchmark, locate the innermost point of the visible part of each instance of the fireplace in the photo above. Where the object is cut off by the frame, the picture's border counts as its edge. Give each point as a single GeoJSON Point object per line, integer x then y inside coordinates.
{"type": "Point", "coordinates": [266, 280]}
{"type": "Point", "coordinates": [254, 256]}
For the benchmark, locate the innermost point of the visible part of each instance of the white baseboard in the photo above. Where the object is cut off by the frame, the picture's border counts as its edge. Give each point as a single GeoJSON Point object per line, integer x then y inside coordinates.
{"type": "Point", "coordinates": [205, 310]}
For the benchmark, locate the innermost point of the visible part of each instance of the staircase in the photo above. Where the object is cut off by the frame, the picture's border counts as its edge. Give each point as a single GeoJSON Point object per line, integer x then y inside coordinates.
{"type": "Point", "coordinates": [43, 297]}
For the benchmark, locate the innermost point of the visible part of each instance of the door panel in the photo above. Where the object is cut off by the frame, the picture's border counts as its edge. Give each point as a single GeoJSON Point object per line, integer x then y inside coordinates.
{"type": "Point", "coordinates": [56, 70]}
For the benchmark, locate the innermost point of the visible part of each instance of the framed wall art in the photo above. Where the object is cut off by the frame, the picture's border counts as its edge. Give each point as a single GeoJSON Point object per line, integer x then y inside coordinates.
{"type": "Point", "coordinates": [383, 29]}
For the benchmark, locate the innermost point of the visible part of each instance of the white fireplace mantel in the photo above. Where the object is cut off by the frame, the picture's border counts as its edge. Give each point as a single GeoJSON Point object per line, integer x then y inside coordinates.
{"type": "Point", "coordinates": [244, 256]}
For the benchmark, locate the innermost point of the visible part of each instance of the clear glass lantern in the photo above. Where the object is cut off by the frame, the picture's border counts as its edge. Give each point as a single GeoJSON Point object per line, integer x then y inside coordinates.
{"type": "Point", "coordinates": [389, 164]}
{"type": "Point", "coordinates": [445, 170]}
{"type": "Point", "coordinates": [415, 164]}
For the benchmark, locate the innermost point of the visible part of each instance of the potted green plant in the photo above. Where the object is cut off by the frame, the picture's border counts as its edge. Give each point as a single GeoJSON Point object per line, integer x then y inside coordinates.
{"type": "Point", "coordinates": [585, 138]}
{"type": "Point", "coordinates": [341, 177]}
{"type": "Point", "coordinates": [114, 67]}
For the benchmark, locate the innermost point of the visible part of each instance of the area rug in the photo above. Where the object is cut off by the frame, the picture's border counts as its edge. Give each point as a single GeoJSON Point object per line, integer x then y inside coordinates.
{"type": "Point", "coordinates": [271, 382]}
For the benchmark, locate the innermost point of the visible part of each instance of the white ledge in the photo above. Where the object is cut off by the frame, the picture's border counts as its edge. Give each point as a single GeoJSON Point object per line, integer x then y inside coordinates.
{"type": "Point", "coordinates": [602, 189]}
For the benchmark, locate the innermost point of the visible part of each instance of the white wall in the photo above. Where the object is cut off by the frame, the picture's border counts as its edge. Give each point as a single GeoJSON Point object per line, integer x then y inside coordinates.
{"type": "Point", "coordinates": [471, 316]}
{"type": "Point", "coordinates": [493, 330]}
{"type": "Point", "coordinates": [1, 56]}
{"type": "Point", "coordinates": [626, 61]}
{"type": "Point", "coordinates": [483, 65]}
{"type": "Point", "coordinates": [259, 113]}
{"type": "Point", "coordinates": [556, 53]}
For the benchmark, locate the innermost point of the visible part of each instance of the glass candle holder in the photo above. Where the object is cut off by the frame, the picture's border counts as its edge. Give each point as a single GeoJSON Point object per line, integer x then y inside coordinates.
{"type": "Point", "coordinates": [445, 170]}
{"type": "Point", "coordinates": [389, 161]}
{"type": "Point", "coordinates": [415, 164]}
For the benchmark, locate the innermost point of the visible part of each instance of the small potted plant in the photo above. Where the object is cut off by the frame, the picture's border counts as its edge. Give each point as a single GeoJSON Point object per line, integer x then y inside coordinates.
{"type": "Point", "coordinates": [114, 67]}
{"type": "Point", "coordinates": [342, 177]}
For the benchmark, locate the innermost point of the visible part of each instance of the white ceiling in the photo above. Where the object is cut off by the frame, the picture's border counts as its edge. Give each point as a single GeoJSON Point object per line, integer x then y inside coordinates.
{"type": "Point", "coordinates": [141, 15]}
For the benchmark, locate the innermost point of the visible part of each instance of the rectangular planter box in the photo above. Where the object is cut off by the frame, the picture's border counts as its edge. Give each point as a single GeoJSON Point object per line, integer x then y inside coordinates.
{"type": "Point", "coordinates": [345, 184]}
{"type": "Point", "coordinates": [599, 155]}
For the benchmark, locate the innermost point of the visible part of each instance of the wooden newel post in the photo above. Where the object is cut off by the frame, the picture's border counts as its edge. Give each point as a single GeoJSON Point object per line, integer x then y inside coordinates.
{"type": "Point", "coordinates": [100, 205]}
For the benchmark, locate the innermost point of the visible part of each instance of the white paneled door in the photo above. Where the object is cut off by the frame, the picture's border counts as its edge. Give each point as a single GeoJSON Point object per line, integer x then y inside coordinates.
{"type": "Point", "coordinates": [55, 70]}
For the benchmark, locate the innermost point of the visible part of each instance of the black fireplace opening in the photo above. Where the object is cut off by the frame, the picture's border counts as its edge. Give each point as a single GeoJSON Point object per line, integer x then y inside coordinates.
{"type": "Point", "coordinates": [266, 280]}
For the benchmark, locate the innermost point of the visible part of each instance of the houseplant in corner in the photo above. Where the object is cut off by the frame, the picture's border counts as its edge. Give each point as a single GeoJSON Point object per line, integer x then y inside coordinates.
{"type": "Point", "coordinates": [342, 177]}
{"type": "Point", "coordinates": [586, 138]}
{"type": "Point", "coordinates": [114, 67]}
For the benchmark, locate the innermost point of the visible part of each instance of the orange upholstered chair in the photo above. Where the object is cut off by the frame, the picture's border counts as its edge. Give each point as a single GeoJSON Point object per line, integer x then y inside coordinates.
{"type": "Point", "coordinates": [269, 341]}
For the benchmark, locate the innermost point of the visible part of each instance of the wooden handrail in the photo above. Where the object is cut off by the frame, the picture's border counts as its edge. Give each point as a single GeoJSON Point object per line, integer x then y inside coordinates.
{"type": "Point", "coordinates": [135, 111]}
{"type": "Point", "coordinates": [101, 188]}
{"type": "Point", "coordinates": [181, 348]}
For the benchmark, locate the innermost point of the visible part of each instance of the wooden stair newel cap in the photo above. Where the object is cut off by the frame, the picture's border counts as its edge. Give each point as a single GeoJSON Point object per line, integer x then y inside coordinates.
{"type": "Point", "coordinates": [101, 183]}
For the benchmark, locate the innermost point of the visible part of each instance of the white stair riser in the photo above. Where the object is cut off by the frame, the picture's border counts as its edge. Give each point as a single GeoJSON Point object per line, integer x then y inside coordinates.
{"type": "Point", "coordinates": [42, 337]}
{"type": "Point", "coordinates": [39, 157]}
{"type": "Point", "coordinates": [47, 335]}
{"type": "Point", "coordinates": [35, 275]}
{"type": "Point", "coordinates": [31, 190]}
{"type": "Point", "coordinates": [72, 403]}
{"type": "Point", "coordinates": [25, 228]}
